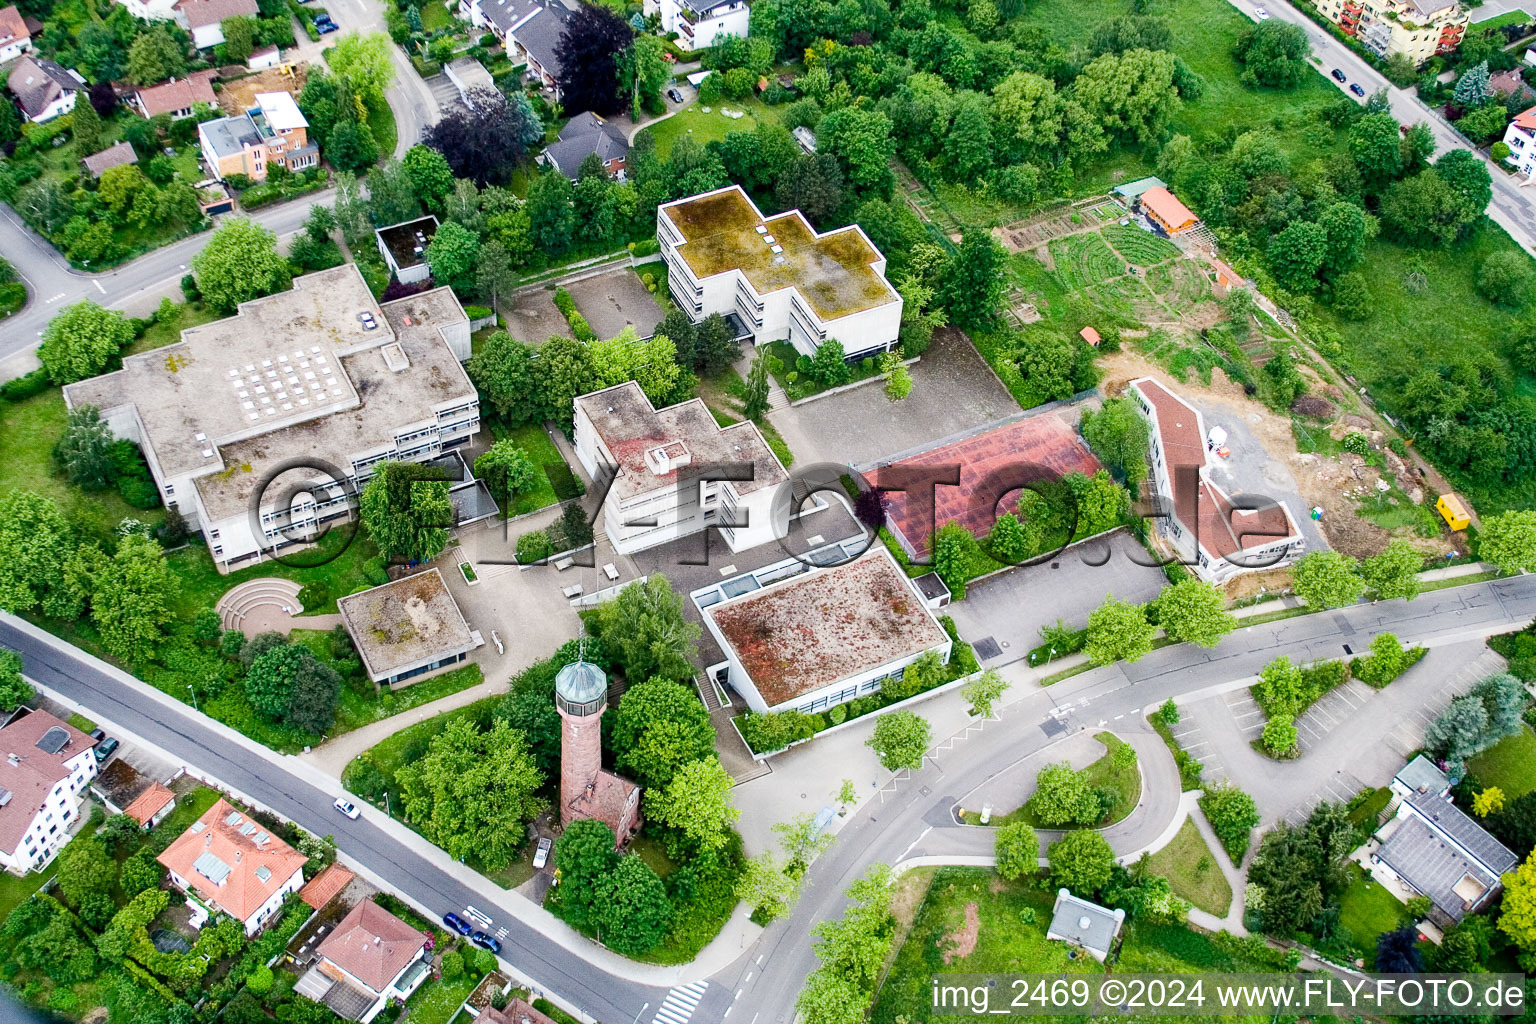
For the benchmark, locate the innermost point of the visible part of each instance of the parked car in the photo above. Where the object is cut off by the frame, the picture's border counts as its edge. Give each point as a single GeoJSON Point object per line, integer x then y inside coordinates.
{"type": "Point", "coordinates": [1339, 76]}
{"type": "Point", "coordinates": [106, 748]}
{"type": "Point", "coordinates": [541, 854]}
{"type": "Point", "coordinates": [457, 923]}
{"type": "Point", "coordinates": [485, 941]}
{"type": "Point", "coordinates": [324, 24]}
{"type": "Point", "coordinates": [1357, 88]}
{"type": "Point", "coordinates": [347, 807]}
{"type": "Point", "coordinates": [675, 94]}
{"type": "Point", "coordinates": [1261, 13]}
{"type": "Point", "coordinates": [98, 735]}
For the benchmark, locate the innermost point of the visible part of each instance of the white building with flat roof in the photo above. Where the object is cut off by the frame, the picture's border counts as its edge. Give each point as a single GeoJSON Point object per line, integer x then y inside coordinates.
{"type": "Point", "coordinates": [700, 24]}
{"type": "Point", "coordinates": [408, 629]}
{"type": "Point", "coordinates": [263, 427]}
{"type": "Point", "coordinates": [824, 635]}
{"type": "Point", "coordinates": [777, 275]}
{"type": "Point", "coordinates": [657, 459]}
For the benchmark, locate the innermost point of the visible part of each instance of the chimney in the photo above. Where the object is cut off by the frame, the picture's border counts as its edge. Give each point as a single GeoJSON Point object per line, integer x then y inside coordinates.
{"type": "Point", "coordinates": [237, 856]}
{"type": "Point", "coordinates": [207, 840]}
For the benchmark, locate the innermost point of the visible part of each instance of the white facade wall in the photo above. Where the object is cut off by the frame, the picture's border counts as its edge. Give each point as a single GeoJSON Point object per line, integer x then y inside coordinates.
{"type": "Point", "coordinates": [678, 510]}
{"type": "Point", "coordinates": [1522, 149]}
{"type": "Point", "coordinates": [207, 36]}
{"type": "Point", "coordinates": [393, 990]}
{"type": "Point", "coordinates": [702, 32]}
{"type": "Point", "coordinates": [58, 108]}
{"type": "Point", "coordinates": [49, 830]}
{"type": "Point", "coordinates": [257, 920]}
{"type": "Point", "coordinates": [14, 49]}
{"type": "Point", "coordinates": [151, 10]}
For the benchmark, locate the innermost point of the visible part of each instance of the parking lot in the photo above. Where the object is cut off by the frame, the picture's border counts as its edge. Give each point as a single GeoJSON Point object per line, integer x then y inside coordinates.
{"type": "Point", "coordinates": [616, 300]}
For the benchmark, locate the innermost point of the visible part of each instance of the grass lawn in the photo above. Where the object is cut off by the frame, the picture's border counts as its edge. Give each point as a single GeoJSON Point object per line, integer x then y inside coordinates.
{"type": "Point", "coordinates": [1190, 867]}
{"type": "Point", "coordinates": [1103, 774]}
{"type": "Point", "coordinates": [381, 120]}
{"type": "Point", "coordinates": [334, 561]}
{"type": "Point", "coordinates": [82, 723]}
{"type": "Point", "coordinates": [168, 333]}
{"type": "Point", "coordinates": [786, 354]}
{"type": "Point", "coordinates": [706, 128]}
{"type": "Point", "coordinates": [435, 16]}
{"type": "Point", "coordinates": [188, 809]}
{"type": "Point", "coordinates": [411, 742]}
{"type": "Point", "coordinates": [1509, 764]}
{"type": "Point", "coordinates": [554, 482]}
{"type": "Point", "coordinates": [1365, 911]}
{"type": "Point", "coordinates": [437, 1001]}
{"type": "Point", "coordinates": [1516, 17]}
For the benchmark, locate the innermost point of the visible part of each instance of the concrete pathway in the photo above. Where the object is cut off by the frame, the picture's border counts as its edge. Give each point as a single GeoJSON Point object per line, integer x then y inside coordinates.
{"type": "Point", "coordinates": [333, 756]}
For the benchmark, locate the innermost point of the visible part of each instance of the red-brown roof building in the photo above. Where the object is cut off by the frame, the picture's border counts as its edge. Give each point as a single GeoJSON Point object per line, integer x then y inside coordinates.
{"type": "Point", "coordinates": [152, 806]}
{"type": "Point", "coordinates": [1163, 208]}
{"type": "Point", "coordinates": [47, 765]}
{"type": "Point", "coordinates": [325, 886]}
{"type": "Point", "coordinates": [370, 958]}
{"type": "Point", "coordinates": [178, 96]}
{"type": "Point", "coordinates": [227, 863]}
{"type": "Point", "coordinates": [15, 36]}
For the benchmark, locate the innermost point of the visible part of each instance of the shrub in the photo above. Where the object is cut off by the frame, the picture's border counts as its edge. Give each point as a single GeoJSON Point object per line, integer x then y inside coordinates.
{"type": "Point", "coordinates": [1232, 814]}
{"type": "Point", "coordinates": [28, 385]}
{"type": "Point", "coordinates": [838, 714]}
{"type": "Point", "coordinates": [776, 730]}
{"type": "Point", "coordinates": [1168, 713]}
{"type": "Point", "coordinates": [477, 312]}
{"type": "Point", "coordinates": [533, 546]}
{"type": "Point", "coordinates": [1356, 444]}
{"type": "Point", "coordinates": [453, 965]}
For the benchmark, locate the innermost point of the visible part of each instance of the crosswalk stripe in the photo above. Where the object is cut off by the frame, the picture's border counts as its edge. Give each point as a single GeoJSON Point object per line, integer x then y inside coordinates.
{"type": "Point", "coordinates": [680, 1003]}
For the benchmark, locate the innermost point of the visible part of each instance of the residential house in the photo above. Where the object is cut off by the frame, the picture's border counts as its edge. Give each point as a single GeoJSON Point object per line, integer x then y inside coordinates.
{"type": "Point", "coordinates": [152, 807]}
{"type": "Point", "coordinates": [370, 958]}
{"type": "Point", "coordinates": [123, 789]}
{"type": "Point", "coordinates": [266, 57]}
{"type": "Point", "coordinates": [227, 863]}
{"type": "Point", "coordinates": [119, 154]}
{"type": "Point", "coordinates": [404, 248]}
{"type": "Point", "coordinates": [805, 637]}
{"type": "Point", "coordinates": [1216, 535]}
{"type": "Point", "coordinates": [1520, 137]}
{"type": "Point", "coordinates": [1165, 211]}
{"type": "Point", "coordinates": [1507, 84]}
{"type": "Point", "coordinates": [517, 1011]}
{"type": "Point", "coordinates": [408, 629]}
{"type": "Point", "coordinates": [271, 132]}
{"type": "Point", "coordinates": [176, 97]}
{"type": "Point", "coordinates": [1432, 848]}
{"type": "Point", "coordinates": [584, 135]}
{"type": "Point", "coordinates": [1417, 29]}
{"type": "Point", "coordinates": [15, 36]}
{"type": "Point", "coordinates": [661, 462]}
{"type": "Point", "coordinates": [530, 30]}
{"type": "Point", "coordinates": [778, 277]}
{"type": "Point", "coordinates": [700, 24]}
{"type": "Point", "coordinates": [316, 385]}
{"type": "Point", "coordinates": [469, 76]}
{"type": "Point", "coordinates": [204, 19]}
{"type": "Point", "coordinates": [326, 886]}
{"type": "Point", "coordinates": [43, 89]}
{"type": "Point", "coordinates": [1084, 924]}
{"type": "Point", "coordinates": [48, 765]}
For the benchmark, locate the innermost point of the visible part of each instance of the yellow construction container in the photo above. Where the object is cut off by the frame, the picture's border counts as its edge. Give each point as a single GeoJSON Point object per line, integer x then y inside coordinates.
{"type": "Point", "coordinates": [1453, 512]}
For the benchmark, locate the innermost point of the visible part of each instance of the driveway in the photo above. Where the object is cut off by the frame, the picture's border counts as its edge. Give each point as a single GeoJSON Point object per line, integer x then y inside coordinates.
{"type": "Point", "coordinates": [953, 390]}
{"type": "Point", "coordinates": [1008, 609]}
{"type": "Point", "coordinates": [532, 316]}
{"type": "Point", "coordinates": [615, 300]}
{"type": "Point", "coordinates": [1250, 470]}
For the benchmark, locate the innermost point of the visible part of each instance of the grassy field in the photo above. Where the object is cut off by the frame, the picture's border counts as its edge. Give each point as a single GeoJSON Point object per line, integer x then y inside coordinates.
{"type": "Point", "coordinates": [438, 1000]}
{"type": "Point", "coordinates": [1366, 910]}
{"type": "Point", "coordinates": [1190, 867]}
{"type": "Point", "coordinates": [1509, 764]}
{"type": "Point", "coordinates": [706, 128]}
{"type": "Point", "coordinates": [1516, 17]}
{"type": "Point", "coordinates": [1012, 918]}
{"type": "Point", "coordinates": [337, 561]}
{"type": "Point", "coordinates": [381, 120]}
{"type": "Point", "coordinates": [532, 439]}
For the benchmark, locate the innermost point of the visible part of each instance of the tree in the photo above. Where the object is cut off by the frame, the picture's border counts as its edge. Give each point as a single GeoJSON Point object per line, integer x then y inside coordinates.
{"type": "Point", "coordinates": [474, 791]}
{"type": "Point", "coordinates": [1118, 435]}
{"type": "Point", "coordinates": [584, 855]}
{"type": "Point", "coordinates": [1017, 850]}
{"type": "Point", "coordinates": [1518, 916]}
{"type": "Point", "coordinates": [954, 552]}
{"type": "Point", "coordinates": [59, 952]}
{"type": "Point", "coordinates": [802, 840]}
{"type": "Point", "coordinates": [133, 596]}
{"type": "Point", "coordinates": [1063, 797]}
{"type": "Point", "coordinates": [155, 55]}
{"type": "Point", "coordinates": [362, 61]}
{"type": "Point", "coordinates": [85, 869]}
{"type": "Point", "coordinates": [589, 50]}
{"type": "Point", "coordinates": [970, 284]}
{"type": "Point", "coordinates": [1374, 143]}
{"type": "Point", "coordinates": [350, 146]}
{"type": "Point", "coordinates": [900, 740]}
{"type": "Point", "coordinates": [1394, 573]}
{"type": "Point", "coordinates": [1489, 801]}
{"type": "Point", "coordinates": [451, 255]}
{"type": "Point", "coordinates": [551, 211]}
{"type": "Point", "coordinates": [861, 142]}
{"type": "Point", "coordinates": [1460, 731]}
{"type": "Point", "coordinates": [1081, 862]}
{"type": "Point", "coordinates": [14, 690]}
{"type": "Point", "coordinates": [1117, 631]}
{"type": "Point", "coordinates": [696, 802]}
{"type": "Point", "coordinates": [1486, 122]}
{"type": "Point", "coordinates": [1131, 96]}
{"type": "Point", "coordinates": [1297, 253]}
{"type": "Point", "coordinates": [1011, 541]}
{"type": "Point", "coordinates": [1504, 279]}
{"type": "Point", "coordinates": [507, 471]}
{"type": "Point", "coordinates": [1279, 736]}
{"type": "Point", "coordinates": [563, 370]}
{"type": "Point", "coordinates": [982, 691]}
{"type": "Point", "coordinates": [1232, 814]}
{"type": "Point", "coordinates": [485, 142]}
{"type": "Point", "coordinates": [1274, 53]}
{"type": "Point", "coordinates": [85, 126]}
{"type": "Point", "coordinates": [767, 888]}
{"type": "Point", "coordinates": [1468, 178]}
{"type": "Point", "coordinates": [36, 545]}
{"type": "Point", "coordinates": [1472, 88]}
{"type": "Point", "coordinates": [81, 340]}
{"type": "Point", "coordinates": [1327, 579]}
{"type": "Point", "coordinates": [1508, 541]}
{"type": "Point", "coordinates": [1425, 210]}
{"type": "Point", "coordinates": [828, 365]}
{"type": "Point", "coordinates": [645, 630]}
{"type": "Point", "coordinates": [405, 509]}
{"type": "Point", "coordinates": [119, 832]}
{"type": "Point", "coordinates": [239, 262]}
{"type": "Point", "coordinates": [289, 684]}
{"type": "Point", "coordinates": [659, 727]}
{"type": "Point", "coordinates": [813, 185]}
{"type": "Point", "coordinates": [431, 177]}
{"type": "Point", "coordinates": [715, 346]}
{"type": "Point", "coordinates": [1194, 611]}
{"type": "Point", "coordinates": [494, 274]}
{"type": "Point", "coordinates": [239, 38]}
{"type": "Point", "coordinates": [1028, 113]}
{"type": "Point", "coordinates": [503, 371]}
{"type": "Point", "coordinates": [632, 912]}
{"type": "Point", "coordinates": [1397, 952]}
{"type": "Point", "coordinates": [758, 386]}
{"type": "Point", "coordinates": [85, 450]}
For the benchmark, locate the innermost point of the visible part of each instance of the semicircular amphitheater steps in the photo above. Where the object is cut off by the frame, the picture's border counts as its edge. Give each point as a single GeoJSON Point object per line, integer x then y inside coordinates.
{"type": "Point", "coordinates": [241, 600]}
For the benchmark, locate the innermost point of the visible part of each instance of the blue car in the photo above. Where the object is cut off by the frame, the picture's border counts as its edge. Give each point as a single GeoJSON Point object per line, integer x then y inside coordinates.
{"type": "Point", "coordinates": [457, 923]}
{"type": "Point", "coordinates": [324, 24]}
{"type": "Point", "coordinates": [485, 941]}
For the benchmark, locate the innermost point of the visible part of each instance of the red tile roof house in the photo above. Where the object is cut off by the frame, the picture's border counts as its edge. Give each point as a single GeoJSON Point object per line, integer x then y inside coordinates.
{"type": "Point", "coordinates": [227, 863]}
{"type": "Point", "coordinates": [177, 97]}
{"type": "Point", "coordinates": [48, 765]}
{"type": "Point", "coordinates": [1034, 448]}
{"type": "Point", "coordinates": [15, 37]}
{"type": "Point", "coordinates": [152, 807]}
{"type": "Point", "coordinates": [824, 636]}
{"type": "Point", "coordinates": [370, 958]}
{"type": "Point", "coordinates": [1214, 537]}
{"type": "Point", "coordinates": [519, 1012]}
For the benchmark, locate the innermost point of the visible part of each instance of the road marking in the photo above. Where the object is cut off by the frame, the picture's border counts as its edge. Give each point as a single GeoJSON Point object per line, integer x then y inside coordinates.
{"type": "Point", "coordinates": [748, 977]}
{"type": "Point", "coordinates": [915, 842]}
{"type": "Point", "coordinates": [680, 1003]}
{"type": "Point", "coordinates": [99, 287]}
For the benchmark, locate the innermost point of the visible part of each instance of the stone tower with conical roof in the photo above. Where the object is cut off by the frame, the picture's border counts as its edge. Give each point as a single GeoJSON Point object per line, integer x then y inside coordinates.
{"type": "Point", "coordinates": [581, 697]}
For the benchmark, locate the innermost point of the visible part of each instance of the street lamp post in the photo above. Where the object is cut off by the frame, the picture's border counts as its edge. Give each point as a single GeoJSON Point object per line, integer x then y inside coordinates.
{"type": "Point", "coordinates": [642, 1009]}
{"type": "Point", "coordinates": [194, 697]}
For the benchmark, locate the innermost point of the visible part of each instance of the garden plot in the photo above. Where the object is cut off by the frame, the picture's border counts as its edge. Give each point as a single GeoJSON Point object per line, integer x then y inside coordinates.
{"type": "Point", "coordinates": [1142, 248]}
{"type": "Point", "coordinates": [1186, 290]}
{"type": "Point", "coordinates": [1028, 234]}
{"type": "Point", "coordinates": [1084, 260]}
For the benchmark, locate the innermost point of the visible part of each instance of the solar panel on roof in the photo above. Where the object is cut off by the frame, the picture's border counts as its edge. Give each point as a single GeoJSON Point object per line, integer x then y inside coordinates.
{"type": "Point", "coordinates": [211, 868]}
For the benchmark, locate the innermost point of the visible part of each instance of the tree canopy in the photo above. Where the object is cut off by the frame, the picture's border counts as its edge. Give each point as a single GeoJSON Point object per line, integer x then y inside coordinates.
{"type": "Point", "coordinates": [239, 262]}
{"type": "Point", "coordinates": [81, 340]}
{"type": "Point", "coordinates": [405, 509]}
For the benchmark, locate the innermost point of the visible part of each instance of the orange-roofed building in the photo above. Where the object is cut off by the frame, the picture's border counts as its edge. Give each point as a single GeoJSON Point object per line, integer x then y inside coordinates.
{"type": "Point", "coordinates": [152, 806]}
{"type": "Point", "coordinates": [227, 863]}
{"type": "Point", "coordinates": [325, 886]}
{"type": "Point", "coordinates": [1520, 137]}
{"type": "Point", "coordinates": [1164, 209]}
{"type": "Point", "coordinates": [370, 958]}
{"type": "Point", "coordinates": [1090, 335]}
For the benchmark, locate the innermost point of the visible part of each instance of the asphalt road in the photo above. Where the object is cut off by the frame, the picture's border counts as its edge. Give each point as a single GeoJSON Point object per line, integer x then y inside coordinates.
{"type": "Point", "coordinates": [1512, 208]}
